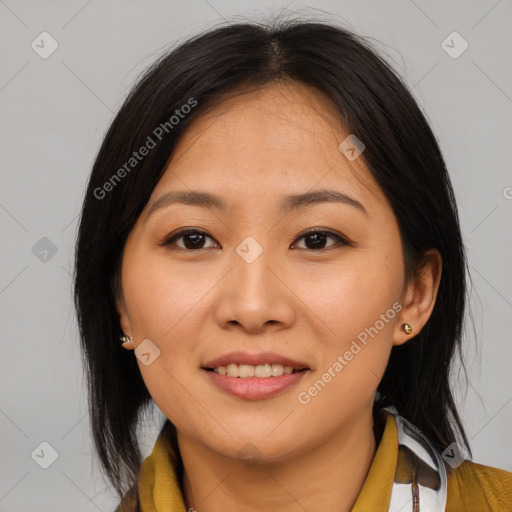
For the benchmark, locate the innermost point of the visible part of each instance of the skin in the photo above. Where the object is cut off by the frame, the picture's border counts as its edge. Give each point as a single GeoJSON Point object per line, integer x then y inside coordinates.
{"type": "Point", "coordinates": [305, 303]}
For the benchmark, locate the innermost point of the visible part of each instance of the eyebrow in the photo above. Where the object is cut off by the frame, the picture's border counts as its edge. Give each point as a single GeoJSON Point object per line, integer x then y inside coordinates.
{"type": "Point", "coordinates": [288, 204]}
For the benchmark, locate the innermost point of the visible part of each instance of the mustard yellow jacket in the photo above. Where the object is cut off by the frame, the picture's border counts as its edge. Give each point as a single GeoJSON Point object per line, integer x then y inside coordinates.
{"type": "Point", "coordinates": [471, 487]}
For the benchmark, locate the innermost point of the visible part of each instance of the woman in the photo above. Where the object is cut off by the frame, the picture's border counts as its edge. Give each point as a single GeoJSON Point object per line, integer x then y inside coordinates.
{"type": "Point", "coordinates": [270, 232]}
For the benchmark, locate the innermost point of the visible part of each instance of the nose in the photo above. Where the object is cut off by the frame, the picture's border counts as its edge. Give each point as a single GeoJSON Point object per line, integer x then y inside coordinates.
{"type": "Point", "coordinates": [255, 295]}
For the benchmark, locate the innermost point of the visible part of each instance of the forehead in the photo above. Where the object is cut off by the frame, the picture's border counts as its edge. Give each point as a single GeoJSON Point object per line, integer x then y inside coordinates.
{"type": "Point", "coordinates": [276, 118]}
{"type": "Point", "coordinates": [279, 139]}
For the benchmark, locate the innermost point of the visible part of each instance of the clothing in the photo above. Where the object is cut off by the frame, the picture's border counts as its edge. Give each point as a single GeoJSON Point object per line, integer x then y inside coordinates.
{"type": "Point", "coordinates": [471, 487]}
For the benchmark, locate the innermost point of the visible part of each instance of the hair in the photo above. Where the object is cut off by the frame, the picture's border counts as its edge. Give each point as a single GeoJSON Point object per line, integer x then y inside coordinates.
{"type": "Point", "coordinates": [401, 152]}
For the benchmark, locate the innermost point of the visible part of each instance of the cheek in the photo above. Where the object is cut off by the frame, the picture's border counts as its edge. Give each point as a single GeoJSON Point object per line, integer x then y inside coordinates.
{"type": "Point", "coordinates": [359, 302]}
{"type": "Point", "coordinates": [164, 304]}
{"type": "Point", "coordinates": [353, 295]}
{"type": "Point", "coordinates": [161, 295]}
{"type": "Point", "coordinates": [360, 309]}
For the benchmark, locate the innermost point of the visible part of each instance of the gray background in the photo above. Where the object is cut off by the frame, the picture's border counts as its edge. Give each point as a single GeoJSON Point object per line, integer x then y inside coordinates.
{"type": "Point", "coordinates": [54, 113]}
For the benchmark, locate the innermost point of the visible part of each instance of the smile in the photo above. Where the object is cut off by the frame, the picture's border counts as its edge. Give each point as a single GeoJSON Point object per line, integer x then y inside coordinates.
{"type": "Point", "coordinates": [261, 371]}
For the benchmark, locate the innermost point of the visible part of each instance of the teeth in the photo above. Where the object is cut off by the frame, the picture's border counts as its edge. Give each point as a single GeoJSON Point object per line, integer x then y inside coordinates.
{"type": "Point", "coordinates": [247, 370]}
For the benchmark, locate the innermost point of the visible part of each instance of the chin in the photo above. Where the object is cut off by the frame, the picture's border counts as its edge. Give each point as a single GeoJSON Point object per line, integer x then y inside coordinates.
{"type": "Point", "coordinates": [251, 449]}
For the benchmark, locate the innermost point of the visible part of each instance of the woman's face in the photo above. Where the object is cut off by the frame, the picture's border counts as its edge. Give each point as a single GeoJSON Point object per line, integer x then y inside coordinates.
{"type": "Point", "coordinates": [258, 284]}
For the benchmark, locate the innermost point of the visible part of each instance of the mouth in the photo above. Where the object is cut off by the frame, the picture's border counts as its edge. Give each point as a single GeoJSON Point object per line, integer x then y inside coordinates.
{"type": "Point", "coordinates": [254, 376]}
{"type": "Point", "coordinates": [261, 371]}
{"type": "Point", "coordinates": [245, 365]}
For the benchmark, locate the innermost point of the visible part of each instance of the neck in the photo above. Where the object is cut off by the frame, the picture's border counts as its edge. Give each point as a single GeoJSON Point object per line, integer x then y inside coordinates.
{"type": "Point", "coordinates": [327, 477]}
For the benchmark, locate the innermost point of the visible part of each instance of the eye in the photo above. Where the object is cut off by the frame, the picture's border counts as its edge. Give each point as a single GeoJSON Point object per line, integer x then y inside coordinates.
{"type": "Point", "coordinates": [193, 239]}
{"type": "Point", "coordinates": [315, 239]}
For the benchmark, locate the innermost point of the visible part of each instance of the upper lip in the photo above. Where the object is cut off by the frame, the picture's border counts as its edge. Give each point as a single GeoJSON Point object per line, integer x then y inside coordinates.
{"type": "Point", "coordinates": [254, 360]}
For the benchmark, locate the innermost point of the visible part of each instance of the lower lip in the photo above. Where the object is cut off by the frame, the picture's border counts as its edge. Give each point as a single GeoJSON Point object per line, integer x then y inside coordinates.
{"type": "Point", "coordinates": [255, 388]}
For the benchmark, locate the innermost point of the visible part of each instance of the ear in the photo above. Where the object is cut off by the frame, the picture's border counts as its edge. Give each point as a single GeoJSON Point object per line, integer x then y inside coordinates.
{"type": "Point", "coordinates": [419, 297]}
{"type": "Point", "coordinates": [124, 320]}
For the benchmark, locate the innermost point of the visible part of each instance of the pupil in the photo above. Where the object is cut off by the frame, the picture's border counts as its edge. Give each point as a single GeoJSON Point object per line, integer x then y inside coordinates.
{"type": "Point", "coordinates": [315, 237]}
{"type": "Point", "coordinates": [196, 237]}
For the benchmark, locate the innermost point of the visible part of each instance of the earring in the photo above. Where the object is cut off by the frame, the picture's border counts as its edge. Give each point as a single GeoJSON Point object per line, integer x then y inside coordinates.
{"type": "Point", "coordinates": [124, 339]}
{"type": "Point", "coordinates": [407, 328]}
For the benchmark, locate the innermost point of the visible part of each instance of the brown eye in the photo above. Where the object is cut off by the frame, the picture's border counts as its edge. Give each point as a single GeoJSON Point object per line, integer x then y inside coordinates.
{"type": "Point", "coordinates": [316, 240]}
{"type": "Point", "coordinates": [192, 240]}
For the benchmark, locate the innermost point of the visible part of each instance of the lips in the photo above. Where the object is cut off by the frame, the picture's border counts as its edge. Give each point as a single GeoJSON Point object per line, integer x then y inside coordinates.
{"type": "Point", "coordinates": [255, 388]}
{"type": "Point", "coordinates": [254, 360]}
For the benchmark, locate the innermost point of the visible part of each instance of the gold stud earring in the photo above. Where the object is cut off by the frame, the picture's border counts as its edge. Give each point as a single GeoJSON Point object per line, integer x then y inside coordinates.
{"type": "Point", "coordinates": [407, 328]}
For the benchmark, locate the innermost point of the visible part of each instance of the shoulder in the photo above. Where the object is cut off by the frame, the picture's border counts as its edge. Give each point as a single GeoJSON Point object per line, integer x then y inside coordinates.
{"type": "Point", "coordinates": [474, 487]}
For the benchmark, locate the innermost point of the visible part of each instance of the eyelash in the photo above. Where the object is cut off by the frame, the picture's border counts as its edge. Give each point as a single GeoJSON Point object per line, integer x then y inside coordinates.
{"type": "Point", "coordinates": [187, 231]}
